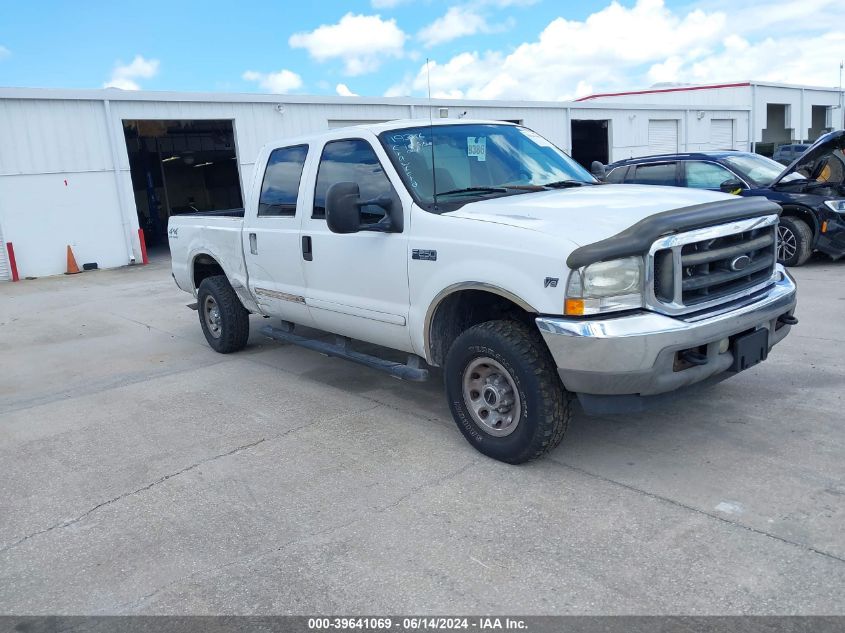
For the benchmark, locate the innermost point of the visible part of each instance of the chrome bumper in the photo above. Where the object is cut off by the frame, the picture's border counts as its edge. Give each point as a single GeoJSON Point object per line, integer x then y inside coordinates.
{"type": "Point", "coordinates": [636, 354]}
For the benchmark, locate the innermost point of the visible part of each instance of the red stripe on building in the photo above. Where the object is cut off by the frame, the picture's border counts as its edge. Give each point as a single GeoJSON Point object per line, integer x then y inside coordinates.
{"type": "Point", "coordinates": [656, 90]}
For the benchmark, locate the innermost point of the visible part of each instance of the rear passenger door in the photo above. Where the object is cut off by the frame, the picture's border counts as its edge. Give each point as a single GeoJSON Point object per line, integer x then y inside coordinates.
{"type": "Point", "coordinates": [662, 173]}
{"type": "Point", "coordinates": [271, 237]}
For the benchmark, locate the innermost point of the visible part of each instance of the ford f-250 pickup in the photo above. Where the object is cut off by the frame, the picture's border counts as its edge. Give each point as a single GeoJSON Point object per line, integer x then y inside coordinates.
{"type": "Point", "coordinates": [481, 248]}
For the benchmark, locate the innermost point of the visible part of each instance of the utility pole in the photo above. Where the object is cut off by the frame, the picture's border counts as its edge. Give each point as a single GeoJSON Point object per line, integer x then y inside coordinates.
{"type": "Point", "coordinates": [841, 109]}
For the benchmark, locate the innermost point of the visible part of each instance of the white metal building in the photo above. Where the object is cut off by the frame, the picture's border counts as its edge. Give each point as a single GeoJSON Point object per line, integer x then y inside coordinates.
{"type": "Point", "coordinates": [780, 113]}
{"type": "Point", "coordinates": [89, 168]}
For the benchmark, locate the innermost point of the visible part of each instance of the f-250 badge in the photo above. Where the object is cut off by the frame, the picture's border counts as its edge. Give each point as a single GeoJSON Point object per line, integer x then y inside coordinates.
{"type": "Point", "coordinates": [425, 255]}
{"type": "Point", "coordinates": [550, 282]}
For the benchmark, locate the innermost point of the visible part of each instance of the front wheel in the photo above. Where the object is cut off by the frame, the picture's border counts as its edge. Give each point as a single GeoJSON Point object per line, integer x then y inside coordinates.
{"type": "Point", "coordinates": [794, 241]}
{"type": "Point", "coordinates": [223, 318]}
{"type": "Point", "coordinates": [504, 391]}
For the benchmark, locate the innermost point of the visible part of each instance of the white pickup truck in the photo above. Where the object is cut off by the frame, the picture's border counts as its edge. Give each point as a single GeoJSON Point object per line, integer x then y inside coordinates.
{"type": "Point", "coordinates": [481, 248]}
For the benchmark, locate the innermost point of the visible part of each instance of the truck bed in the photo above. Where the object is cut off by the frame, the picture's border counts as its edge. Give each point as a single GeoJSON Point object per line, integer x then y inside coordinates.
{"type": "Point", "coordinates": [211, 235]}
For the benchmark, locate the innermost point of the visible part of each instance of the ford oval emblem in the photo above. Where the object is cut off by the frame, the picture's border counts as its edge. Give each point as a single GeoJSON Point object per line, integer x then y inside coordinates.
{"type": "Point", "coordinates": [740, 262]}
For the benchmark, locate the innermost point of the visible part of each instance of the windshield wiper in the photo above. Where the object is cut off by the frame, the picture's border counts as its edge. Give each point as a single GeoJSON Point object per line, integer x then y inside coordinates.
{"type": "Point", "coordinates": [473, 190]}
{"type": "Point", "coordinates": [562, 184]}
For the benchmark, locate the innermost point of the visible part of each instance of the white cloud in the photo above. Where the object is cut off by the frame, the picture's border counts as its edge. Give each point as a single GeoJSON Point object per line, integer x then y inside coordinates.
{"type": "Point", "coordinates": [457, 22]}
{"type": "Point", "coordinates": [280, 82]}
{"type": "Point", "coordinates": [124, 75]}
{"type": "Point", "coordinates": [468, 19]}
{"type": "Point", "coordinates": [363, 42]}
{"type": "Point", "coordinates": [609, 47]}
{"type": "Point", "coordinates": [4, 52]}
{"type": "Point", "coordinates": [344, 91]}
{"type": "Point", "coordinates": [773, 59]}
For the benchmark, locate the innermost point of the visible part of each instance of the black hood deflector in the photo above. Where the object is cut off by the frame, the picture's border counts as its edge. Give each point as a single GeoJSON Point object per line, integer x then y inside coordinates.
{"type": "Point", "coordinates": [638, 238]}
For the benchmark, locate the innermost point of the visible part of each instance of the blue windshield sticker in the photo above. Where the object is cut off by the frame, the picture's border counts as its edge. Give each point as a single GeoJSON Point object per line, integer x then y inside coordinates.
{"type": "Point", "coordinates": [477, 147]}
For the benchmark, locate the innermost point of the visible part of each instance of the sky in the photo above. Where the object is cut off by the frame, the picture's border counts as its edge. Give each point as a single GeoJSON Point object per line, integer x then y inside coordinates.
{"type": "Point", "coordinates": [477, 49]}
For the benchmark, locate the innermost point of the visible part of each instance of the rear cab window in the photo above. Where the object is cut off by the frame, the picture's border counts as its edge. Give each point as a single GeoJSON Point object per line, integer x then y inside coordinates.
{"type": "Point", "coordinates": [280, 186]}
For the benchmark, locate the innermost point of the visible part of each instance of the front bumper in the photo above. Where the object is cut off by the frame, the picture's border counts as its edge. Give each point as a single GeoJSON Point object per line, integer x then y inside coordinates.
{"type": "Point", "coordinates": [832, 241]}
{"type": "Point", "coordinates": [637, 354]}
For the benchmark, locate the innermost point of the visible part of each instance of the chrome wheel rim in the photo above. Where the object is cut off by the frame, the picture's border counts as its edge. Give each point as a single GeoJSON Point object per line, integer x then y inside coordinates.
{"type": "Point", "coordinates": [491, 397]}
{"type": "Point", "coordinates": [211, 315]}
{"type": "Point", "coordinates": [787, 243]}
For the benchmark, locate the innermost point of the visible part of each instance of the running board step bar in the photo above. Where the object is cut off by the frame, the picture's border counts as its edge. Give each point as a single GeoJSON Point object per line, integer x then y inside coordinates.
{"type": "Point", "coordinates": [412, 370]}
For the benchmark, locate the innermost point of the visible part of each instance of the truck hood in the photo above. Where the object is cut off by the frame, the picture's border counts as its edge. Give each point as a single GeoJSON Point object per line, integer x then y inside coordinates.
{"type": "Point", "coordinates": [585, 214]}
{"type": "Point", "coordinates": [823, 161]}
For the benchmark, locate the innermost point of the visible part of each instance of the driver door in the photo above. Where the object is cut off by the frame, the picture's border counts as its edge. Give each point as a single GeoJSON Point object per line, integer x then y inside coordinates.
{"type": "Point", "coordinates": [356, 284]}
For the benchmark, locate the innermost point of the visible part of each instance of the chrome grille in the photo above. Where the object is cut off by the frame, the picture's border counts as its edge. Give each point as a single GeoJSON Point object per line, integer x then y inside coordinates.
{"type": "Point", "coordinates": [703, 268]}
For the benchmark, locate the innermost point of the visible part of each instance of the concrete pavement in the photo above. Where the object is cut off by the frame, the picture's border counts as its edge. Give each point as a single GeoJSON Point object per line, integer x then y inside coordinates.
{"type": "Point", "coordinates": [143, 473]}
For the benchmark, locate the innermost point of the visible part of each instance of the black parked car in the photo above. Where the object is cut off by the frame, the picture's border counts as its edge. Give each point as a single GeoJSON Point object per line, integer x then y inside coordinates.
{"type": "Point", "coordinates": [785, 154]}
{"type": "Point", "coordinates": [811, 190]}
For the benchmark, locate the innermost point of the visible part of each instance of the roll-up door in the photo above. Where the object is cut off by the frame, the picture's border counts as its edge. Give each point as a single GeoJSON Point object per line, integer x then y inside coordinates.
{"type": "Point", "coordinates": [663, 136]}
{"type": "Point", "coordinates": [722, 133]}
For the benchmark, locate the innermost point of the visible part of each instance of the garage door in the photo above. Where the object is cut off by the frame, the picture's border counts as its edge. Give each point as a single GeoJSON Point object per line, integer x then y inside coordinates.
{"type": "Point", "coordinates": [663, 136]}
{"type": "Point", "coordinates": [722, 133]}
{"type": "Point", "coordinates": [4, 262]}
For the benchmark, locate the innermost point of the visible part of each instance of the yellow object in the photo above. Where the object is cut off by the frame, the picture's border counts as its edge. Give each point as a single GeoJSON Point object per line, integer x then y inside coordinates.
{"type": "Point", "coordinates": [824, 226]}
{"type": "Point", "coordinates": [574, 307]}
{"type": "Point", "coordinates": [824, 176]}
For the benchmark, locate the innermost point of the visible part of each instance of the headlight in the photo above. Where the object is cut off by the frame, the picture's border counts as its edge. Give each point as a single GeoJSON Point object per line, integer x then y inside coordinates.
{"type": "Point", "coordinates": [836, 205]}
{"type": "Point", "coordinates": [605, 287]}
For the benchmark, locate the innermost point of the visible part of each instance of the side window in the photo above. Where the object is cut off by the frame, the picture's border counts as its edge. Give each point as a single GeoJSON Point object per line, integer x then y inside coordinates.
{"type": "Point", "coordinates": [355, 161]}
{"type": "Point", "coordinates": [280, 186]}
{"type": "Point", "coordinates": [654, 174]}
{"type": "Point", "coordinates": [701, 175]}
{"type": "Point", "coordinates": [616, 175]}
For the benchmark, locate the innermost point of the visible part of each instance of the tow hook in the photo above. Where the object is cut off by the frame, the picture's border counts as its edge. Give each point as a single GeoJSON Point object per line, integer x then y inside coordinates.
{"type": "Point", "coordinates": [693, 357]}
{"type": "Point", "coordinates": [787, 319]}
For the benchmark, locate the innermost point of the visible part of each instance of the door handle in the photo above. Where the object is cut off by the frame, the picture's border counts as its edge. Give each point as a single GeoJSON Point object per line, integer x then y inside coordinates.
{"type": "Point", "coordinates": [307, 255]}
{"type": "Point", "coordinates": [253, 243]}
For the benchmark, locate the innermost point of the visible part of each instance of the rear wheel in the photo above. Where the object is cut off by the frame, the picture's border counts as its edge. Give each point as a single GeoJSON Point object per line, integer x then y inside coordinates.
{"type": "Point", "coordinates": [504, 391]}
{"type": "Point", "coordinates": [794, 241]}
{"type": "Point", "coordinates": [224, 320]}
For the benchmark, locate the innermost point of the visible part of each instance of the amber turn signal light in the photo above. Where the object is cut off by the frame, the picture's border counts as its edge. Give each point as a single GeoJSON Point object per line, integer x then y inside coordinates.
{"type": "Point", "coordinates": [574, 307]}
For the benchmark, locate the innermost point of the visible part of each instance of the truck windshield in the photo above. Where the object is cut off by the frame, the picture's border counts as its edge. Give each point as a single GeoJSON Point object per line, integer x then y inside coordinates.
{"type": "Point", "coordinates": [478, 161]}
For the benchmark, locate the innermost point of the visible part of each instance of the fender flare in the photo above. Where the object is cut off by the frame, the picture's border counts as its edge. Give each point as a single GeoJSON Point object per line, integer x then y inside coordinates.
{"type": "Point", "coordinates": [459, 287]}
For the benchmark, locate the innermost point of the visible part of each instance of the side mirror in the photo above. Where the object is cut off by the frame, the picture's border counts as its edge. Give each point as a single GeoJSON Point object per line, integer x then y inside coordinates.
{"type": "Point", "coordinates": [597, 168]}
{"type": "Point", "coordinates": [343, 212]}
{"type": "Point", "coordinates": [733, 185]}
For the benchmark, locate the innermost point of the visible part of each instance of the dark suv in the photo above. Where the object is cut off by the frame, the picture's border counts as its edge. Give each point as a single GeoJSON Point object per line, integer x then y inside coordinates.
{"type": "Point", "coordinates": [811, 189]}
{"type": "Point", "coordinates": [785, 154]}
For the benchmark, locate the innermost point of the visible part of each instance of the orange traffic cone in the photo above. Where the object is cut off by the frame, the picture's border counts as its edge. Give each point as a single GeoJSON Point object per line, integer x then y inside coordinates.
{"type": "Point", "coordinates": [72, 268]}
